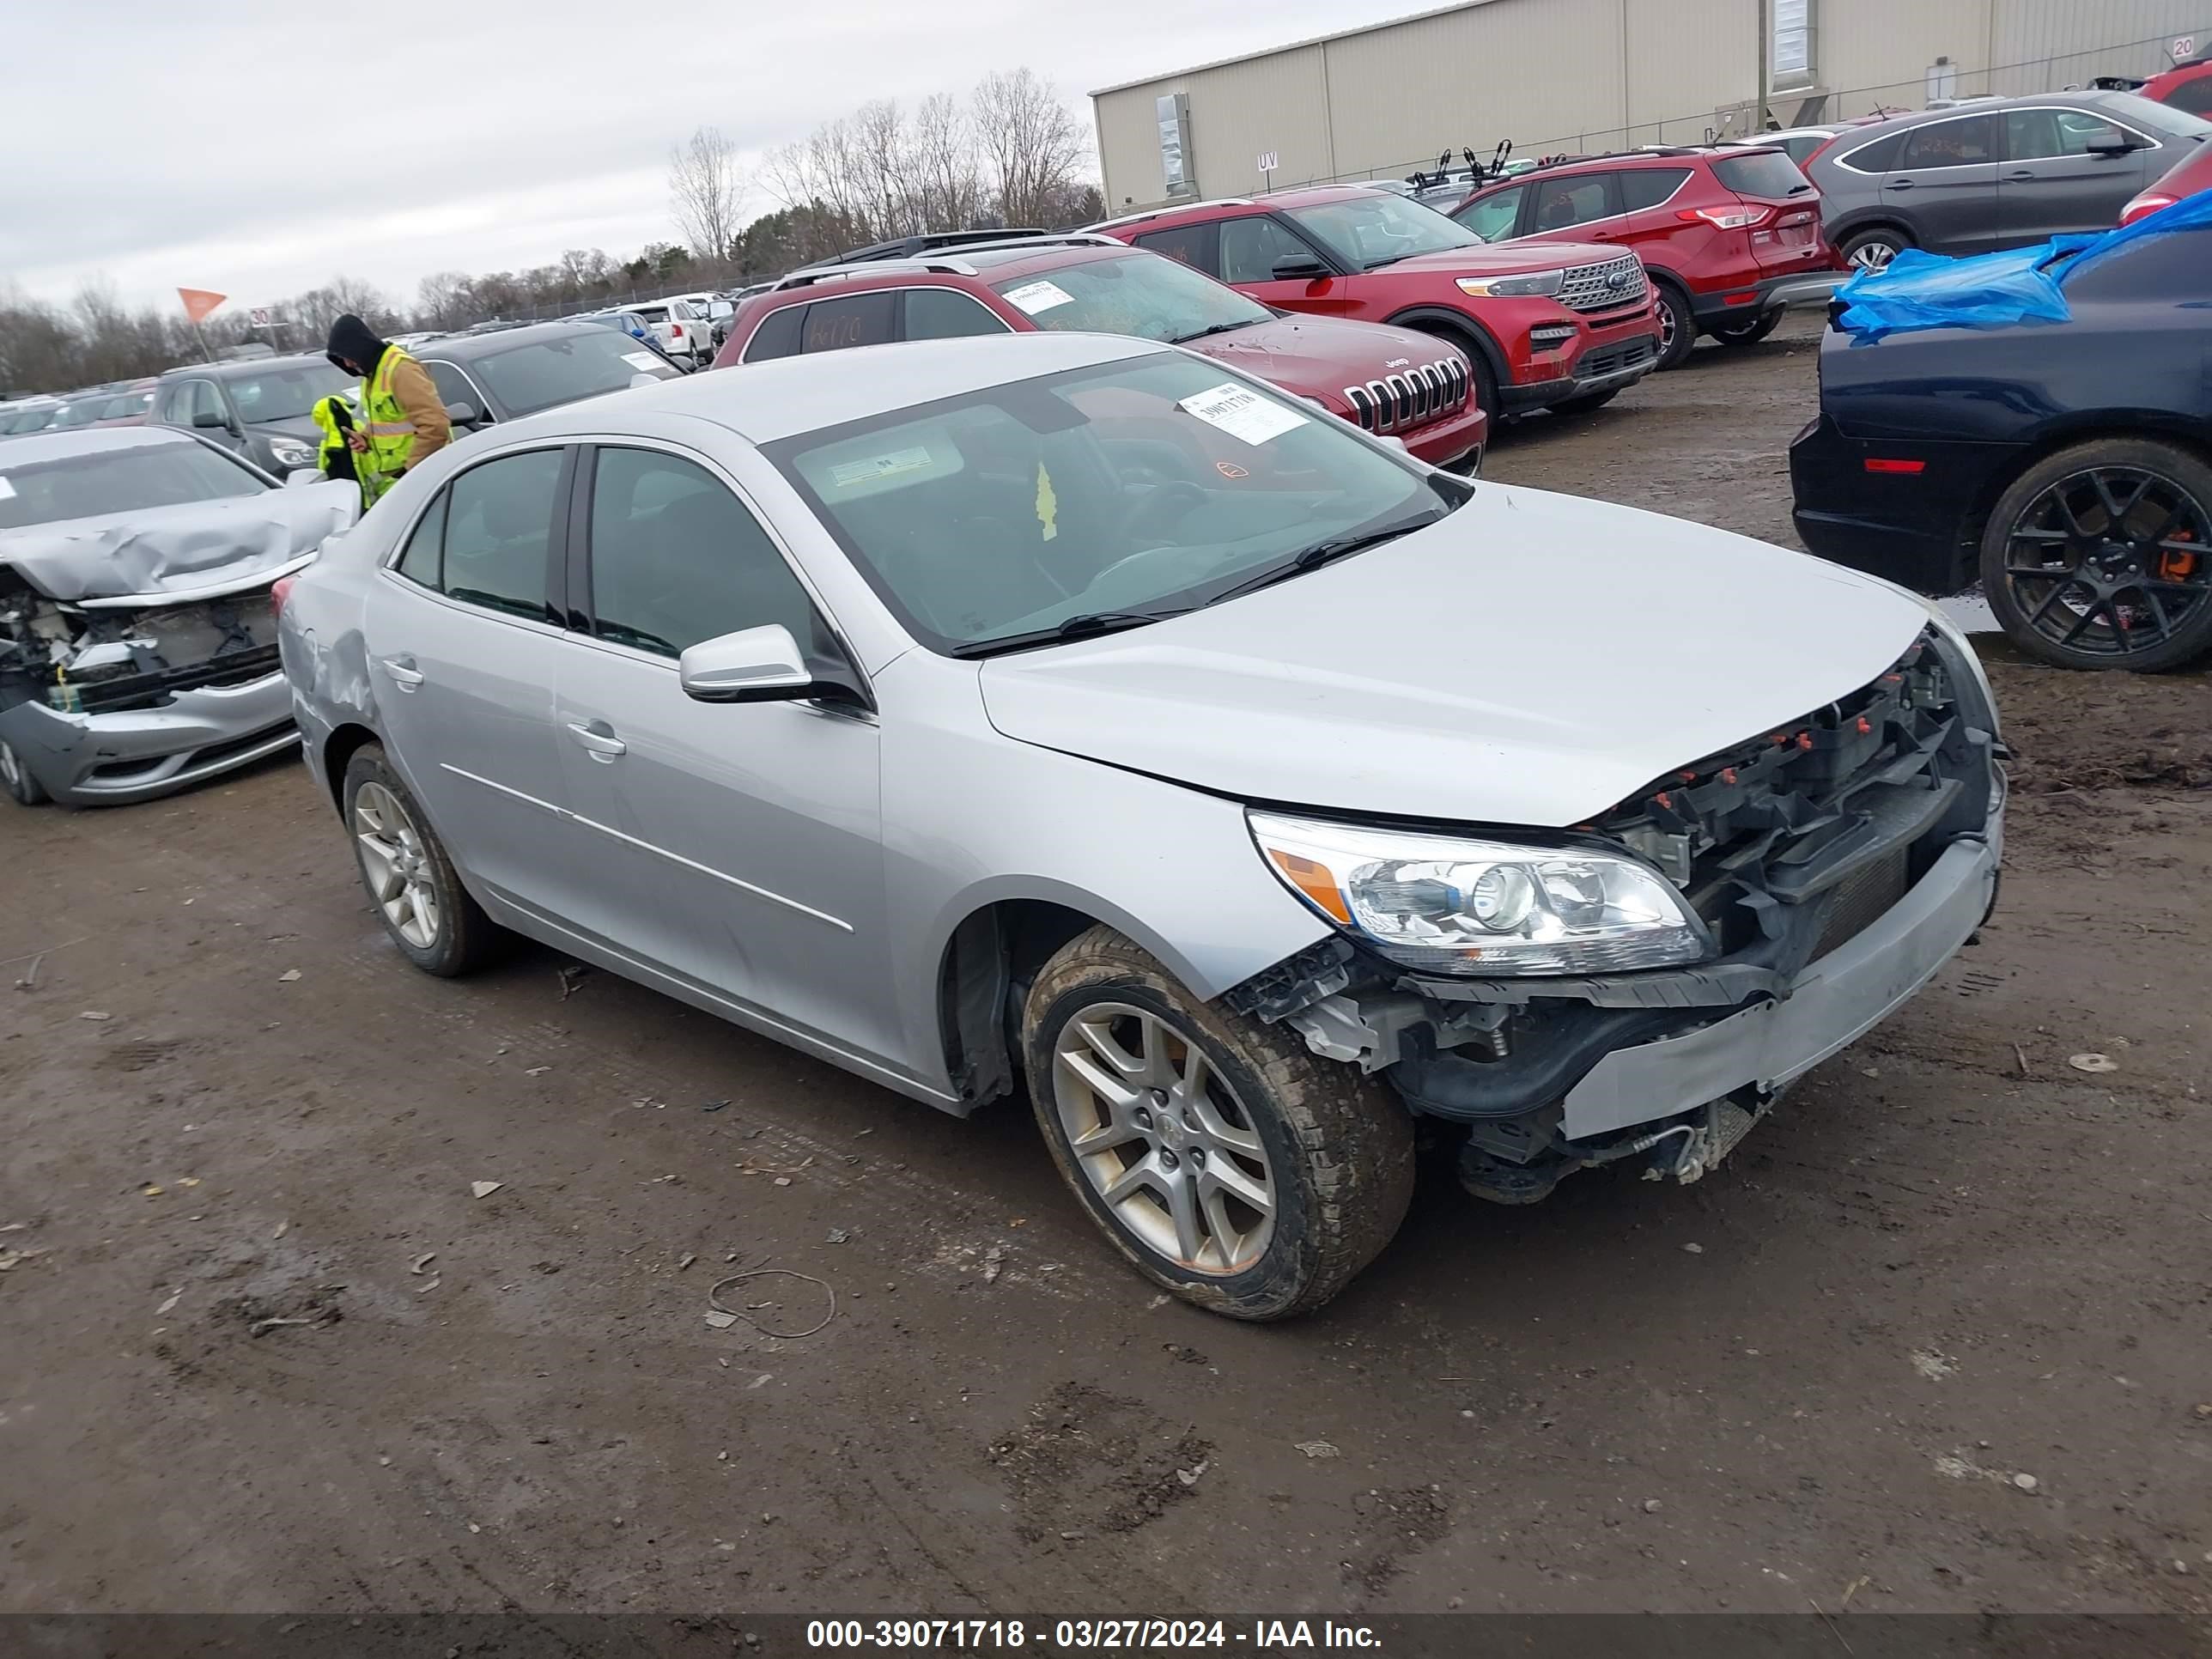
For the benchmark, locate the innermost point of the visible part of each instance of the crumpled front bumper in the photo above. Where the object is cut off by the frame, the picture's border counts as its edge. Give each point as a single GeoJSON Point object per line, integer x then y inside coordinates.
{"type": "Point", "coordinates": [1833, 1002]}
{"type": "Point", "coordinates": [134, 755]}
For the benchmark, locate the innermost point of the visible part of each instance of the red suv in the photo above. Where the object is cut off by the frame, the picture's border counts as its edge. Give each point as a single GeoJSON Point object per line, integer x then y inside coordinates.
{"type": "Point", "coordinates": [2187, 86]}
{"type": "Point", "coordinates": [1393, 382]}
{"type": "Point", "coordinates": [1731, 236]}
{"type": "Point", "coordinates": [1545, 328]}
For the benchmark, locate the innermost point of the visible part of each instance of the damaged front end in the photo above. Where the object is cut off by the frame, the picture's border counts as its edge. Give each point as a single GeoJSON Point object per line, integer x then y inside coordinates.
{"type": "Point", "coordinates": [1832, 867]}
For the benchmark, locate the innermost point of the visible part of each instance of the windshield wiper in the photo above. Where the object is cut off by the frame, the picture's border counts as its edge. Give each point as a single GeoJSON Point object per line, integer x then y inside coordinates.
{"type": "Point", "coordinates": [1083, 626]}
{"type": "Point", "coordinates": [1211, 328]}
{"type": "Point", "coordinates": [1319, 554]}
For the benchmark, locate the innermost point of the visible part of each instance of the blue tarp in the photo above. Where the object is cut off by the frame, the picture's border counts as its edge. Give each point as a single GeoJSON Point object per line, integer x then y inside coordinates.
{"type": "Point", "coordinates": [1995, 290]}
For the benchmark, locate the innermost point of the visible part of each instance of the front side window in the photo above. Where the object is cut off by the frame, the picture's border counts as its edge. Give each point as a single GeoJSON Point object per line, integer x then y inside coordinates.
{"type": "Point", "coordinates": [114, 481]}
{"type": "Point", "coordinates": [1492, 218]}
{"type": "Point", "coordinates": [1967, 143]}
{"type": "Point", "coordinates": [1563, 203]}
{"type": "Point", "coordinates": [579, 364]}
{"type": "Point", "coordinates": [675, 558]}
{"type": "Point", "coordinates": [1138, 293]}
{"type": "Point", "coordinates": [1250, 246]}
{"type": "Point", "coordinates": [1137, 488]}
{"type": "Point", "coordinates": [1196, 244]}
{"type": "Point", "coordinates": [946, 314]}
{"type": "Point", "coordinates": [498, 526]}
{"type": "Point", "coordinates": [1374, 228]}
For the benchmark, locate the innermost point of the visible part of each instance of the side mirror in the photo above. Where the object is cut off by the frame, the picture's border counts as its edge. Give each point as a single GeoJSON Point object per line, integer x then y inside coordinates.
{"type": "Point", "coordinates": [1299, 268]}
{"type": "Point", "coordinates": [209, 420]}
{"type": "Point", "coordinates": [762, 665]}
{"type": "Point", "coordinates": [462, 414]}
{"type": "Point", "coordinates": [2116, 144]}
{"type": "Point", "coordinates": [303, 478]}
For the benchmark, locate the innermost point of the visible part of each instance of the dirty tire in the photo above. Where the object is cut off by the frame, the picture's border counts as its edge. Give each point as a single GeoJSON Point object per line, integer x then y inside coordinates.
{"type": "Point", "coordinates": [1482, 384]}
{"type": "Point", "coordinates": [1873, 249]}
{"type": "Point", "coordinates": [1678, 324]}
{"type": "Point", "coordinates": [1339, 1144]}
{"type": "Point", "coordinates": [15, 778]}
{"type": "Point", "coordinates": [1750, 333]}
{"type": "Point", "coordinates": [466, 938]}
{"type": "Point", "coordinates": [2182, 478]}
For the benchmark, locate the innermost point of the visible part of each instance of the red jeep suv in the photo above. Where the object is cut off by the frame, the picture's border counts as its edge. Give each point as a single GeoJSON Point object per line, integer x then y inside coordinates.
{"type": "Point", "coordinates": [1551, 327]}
{"type": "Point", "coordinates": [1731, 236]}
{"type": "Point", "coordinates": [1394, 383]}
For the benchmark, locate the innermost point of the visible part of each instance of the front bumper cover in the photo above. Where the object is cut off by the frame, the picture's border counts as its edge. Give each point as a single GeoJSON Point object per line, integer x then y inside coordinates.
{"type": "Point", "coordinates": [94, 759]}
{"type": "Point", "coordinates": [1601, 368]}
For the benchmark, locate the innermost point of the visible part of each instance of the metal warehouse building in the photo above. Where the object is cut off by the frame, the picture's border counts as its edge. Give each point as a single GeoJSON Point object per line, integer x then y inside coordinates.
{"type": "Point", "coordinates": [1597, 75]}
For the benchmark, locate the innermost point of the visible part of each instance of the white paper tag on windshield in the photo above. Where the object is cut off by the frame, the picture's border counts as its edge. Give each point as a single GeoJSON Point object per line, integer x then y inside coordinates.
{"type": "Point", "coordinates": [1242, 413]}
{"type": "Point", "coordinates": [877, 467]}
{"type": "Point", "coordinates": [1030, 298]}
{"type": "Point", "coordinates": [641, 360]}
{"type": "Point", "coordinates": [6, 490]}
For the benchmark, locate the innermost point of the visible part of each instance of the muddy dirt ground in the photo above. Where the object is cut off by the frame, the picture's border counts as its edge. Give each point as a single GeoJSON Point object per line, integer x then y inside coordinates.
{"type": "Point", "coordinates": [1936, 1338]}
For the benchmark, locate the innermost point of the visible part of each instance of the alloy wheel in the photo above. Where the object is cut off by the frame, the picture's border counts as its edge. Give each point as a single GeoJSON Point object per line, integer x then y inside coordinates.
{"type": "Point", "coordinates": [1163, 1138]}
{"type": "Point", "coordinates": [1872, 256]}
{"type": "Point", "coordinates": [395, 865]}
{"type": "Point", "coordinates": [2110, 562]}
{"type": "Point", "coordinates": [1666, 327]}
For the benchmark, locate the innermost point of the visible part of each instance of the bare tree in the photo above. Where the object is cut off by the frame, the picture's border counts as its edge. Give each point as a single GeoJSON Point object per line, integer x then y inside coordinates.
{"type": "Point", "coordinates": [703, 182]}
{"type": "Point", "coordinates": [1033, 148]}
{"type": "Point", "coordinates": [947, 179]}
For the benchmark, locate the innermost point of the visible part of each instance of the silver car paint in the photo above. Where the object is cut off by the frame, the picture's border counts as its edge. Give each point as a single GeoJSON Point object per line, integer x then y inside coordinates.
{"type": "Point", "coordinates": [821, 910]}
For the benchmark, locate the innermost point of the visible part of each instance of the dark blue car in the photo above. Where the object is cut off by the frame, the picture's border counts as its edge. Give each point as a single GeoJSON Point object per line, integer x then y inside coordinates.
{"type": "Point", "coordinates": [2067, 466]}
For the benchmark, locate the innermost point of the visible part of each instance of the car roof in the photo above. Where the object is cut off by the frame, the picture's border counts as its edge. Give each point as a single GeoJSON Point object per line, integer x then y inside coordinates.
{"type": "Point", "coordinates": [248, 366]}
{"type": "Point", "coordinates": [952, 268]}
{"type": "Point", "coordinates": [72, 441]}
{"type": "Point", "coordinates": [2090, 97]}
{"type": "Point", "coordinates": [763, 402]}
{"type": "Point", "coordinates": [464, 347]}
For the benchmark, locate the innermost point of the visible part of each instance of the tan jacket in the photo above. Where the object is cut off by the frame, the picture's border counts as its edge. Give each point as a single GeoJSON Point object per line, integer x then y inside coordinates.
{"type": "Point", "coordinates": [411, 386]}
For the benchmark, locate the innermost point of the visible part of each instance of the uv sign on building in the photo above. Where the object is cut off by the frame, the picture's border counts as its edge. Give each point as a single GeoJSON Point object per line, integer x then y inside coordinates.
{"type": "Point", "coordinates": [1557, 75]}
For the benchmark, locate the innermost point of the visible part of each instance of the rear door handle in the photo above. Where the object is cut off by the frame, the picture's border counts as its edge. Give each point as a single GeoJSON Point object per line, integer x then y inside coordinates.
{"type": "Point", "coordinates": [599, 739]}
{"type": "Point", "coordinates": [405, 674]}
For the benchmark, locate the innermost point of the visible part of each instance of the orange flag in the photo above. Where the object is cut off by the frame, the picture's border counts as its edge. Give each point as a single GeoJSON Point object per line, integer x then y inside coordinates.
{"type": "Point", "coordinates": [199, 303]}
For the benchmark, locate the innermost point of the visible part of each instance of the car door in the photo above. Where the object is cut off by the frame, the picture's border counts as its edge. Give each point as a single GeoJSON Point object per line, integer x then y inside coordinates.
{"type": "Point", "coordinates": [462, 654]}
{"type": "Point", "coordinates": [754, 827]}
{"type": "Point", "coordinates": [851, 319]}
{"type": "Point", "coordinates": [1944, 186]}
{"type": "Point", "coordinates": [2066, 170]}
{"type": "Point", "coordinates": [1647, 222]}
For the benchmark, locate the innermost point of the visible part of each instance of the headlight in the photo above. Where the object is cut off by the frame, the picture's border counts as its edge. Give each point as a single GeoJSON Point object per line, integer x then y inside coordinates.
{"type": "Point", "coordinates": [1505, 288]}
{"type": "Point", "coordinates": [1482, 907]}
{"type": "Point", "coordinates": [291, 452]}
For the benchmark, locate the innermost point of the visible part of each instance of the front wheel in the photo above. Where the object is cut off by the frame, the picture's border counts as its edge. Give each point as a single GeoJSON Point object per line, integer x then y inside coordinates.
{"type": "Point", "coordinates": [1677, 324]}
{"type": "Point", "coordinates": [417, 894]}
{"type": "Point", "coordinates": [1230, 1163]}
{"type": "Point", "coordinates": [15, 778]}
{"type": "Point", "coordinates": [2100, 556]}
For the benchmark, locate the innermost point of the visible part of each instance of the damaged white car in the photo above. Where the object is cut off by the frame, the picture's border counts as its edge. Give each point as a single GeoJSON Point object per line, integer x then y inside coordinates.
{"type": "Point", "coordinates": [137, 640]}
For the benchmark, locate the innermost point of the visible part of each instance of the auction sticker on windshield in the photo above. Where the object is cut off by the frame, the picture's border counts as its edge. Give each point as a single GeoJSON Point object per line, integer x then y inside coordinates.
{"type": "Point", "coordinates": [1030, 298]}
{"type": "Point", "coordinates": [1242, 413]}
{"type": "Point", "coordinates": [641, 360]}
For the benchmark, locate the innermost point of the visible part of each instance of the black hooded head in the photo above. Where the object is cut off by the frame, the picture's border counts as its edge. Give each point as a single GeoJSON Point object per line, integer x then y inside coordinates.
{"type": "Point", "coordinates": [352, 347]}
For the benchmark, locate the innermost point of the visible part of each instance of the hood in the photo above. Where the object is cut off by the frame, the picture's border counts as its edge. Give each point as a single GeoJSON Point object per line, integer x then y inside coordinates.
{"type": "Point", "coordinates": [294, 426]}
{"type": "Point", "coordinates": [1504, 259]}
{"type": "Point", "coordinates": [178, 550]}
{"type": "Point", "coordinates": [355, 342]}
{"type": "Point", "coordinates": [1319, 356]}
{"type": "Point", "coordinates": [1531, 659]}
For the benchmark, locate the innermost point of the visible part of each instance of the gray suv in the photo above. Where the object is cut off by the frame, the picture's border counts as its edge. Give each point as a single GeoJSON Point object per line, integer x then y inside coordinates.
{"type": "Point", "coordinates": [259, 410]}
{"type": "Point", "coordinates": [2000, 174]}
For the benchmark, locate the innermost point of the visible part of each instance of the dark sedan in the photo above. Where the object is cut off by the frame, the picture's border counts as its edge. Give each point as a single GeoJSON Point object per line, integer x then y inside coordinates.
{"type": "Point", "coordinates": [506, 374]}
{"type": "Point", "coordinates": [2061, 465]}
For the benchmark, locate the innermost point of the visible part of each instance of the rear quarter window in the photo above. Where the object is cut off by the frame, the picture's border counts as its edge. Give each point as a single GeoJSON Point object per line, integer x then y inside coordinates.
{"type": "Point", "coordinates": [1879, 156]}
{"type": "Point", "coordinates": [776, 336]}
{"type": "Point", "coordinates": [1195, 246]}
{"type": "Point", "coordinates": [1767, 174]}
{"type": "Point", "coordinates": [1647, 187]}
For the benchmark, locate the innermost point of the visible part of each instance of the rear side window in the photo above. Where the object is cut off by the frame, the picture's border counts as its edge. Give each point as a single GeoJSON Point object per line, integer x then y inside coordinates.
{"type": "Point", "coordinates": [1647, 187]}
{"type": "Point", "coordinates": [1879, 156]}
{"type": "Point", "coordinates": [1197, 246]}
{"type": "Point", "coordinates": [1492, 217]}
{"type": "Point", "coordinates": [1967, 143]}
{"type": "Point", "coordinates": [857, 320]}
{"type": "Point", "coordinates": [946, 314]}
{"type": "Point", "coordinates": [776, 336]}
{"type": "Point", "coordinates": [1767, 174]}
{"type": "Point", "coordinates": [499, 524]}
{"type": "Point", "coordinates": [1563, 203]}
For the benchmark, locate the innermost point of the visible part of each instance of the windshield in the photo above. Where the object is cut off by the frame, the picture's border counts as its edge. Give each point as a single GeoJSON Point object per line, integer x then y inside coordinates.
{"type": "Point", "coordinates": [1146, 294]}
{"type": "Point", "coordinates": [118, 481]}
{"type": "Point", "coordinates": [36, 419]}
{"type": "Point", "coordinates": [285, 394]}
{"type": "Point", "coordinates": [525, 379]}
{"type": "Point", "coordinates": [1122, 493]}
{"type": "Point", "coordinates": [1373, 229]}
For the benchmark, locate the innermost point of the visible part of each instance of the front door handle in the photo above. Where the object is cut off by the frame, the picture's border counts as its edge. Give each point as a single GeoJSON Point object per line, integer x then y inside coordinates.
{"type": "Point", "coordinates": [1898, 184]}
{"type": "Point", "coordinates": [2023, 173]}
{"type": "Point", "coordinates": [599, 739]}
{"type": "Point", "coordinates": [405, 674]}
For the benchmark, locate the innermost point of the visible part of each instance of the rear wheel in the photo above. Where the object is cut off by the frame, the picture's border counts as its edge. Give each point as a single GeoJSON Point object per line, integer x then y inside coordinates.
{"type": "Point", "coordinates": [1750, 333]}
{"type": "Point", "coordinates": [1677, 324]}
{"type": "Point", "coordinates": [1230, 1165]}
{"type": "Point", "coordinates": [1872, 250]}
{"type": "Point", "coordinates": [2100, 556]}
{"type": "Point", "coordinates": [15, 778]}
{"type": "Point", "coordinates": [417, 894]}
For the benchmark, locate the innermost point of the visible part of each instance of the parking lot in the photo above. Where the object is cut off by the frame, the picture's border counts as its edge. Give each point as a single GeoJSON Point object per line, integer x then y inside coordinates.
{"type": "Point", "coordinates": [1934, 1338]}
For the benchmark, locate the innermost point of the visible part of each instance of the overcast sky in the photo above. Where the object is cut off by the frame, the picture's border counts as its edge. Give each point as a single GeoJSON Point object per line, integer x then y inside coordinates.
{"type": "Point", "coordinates": [260, 147]}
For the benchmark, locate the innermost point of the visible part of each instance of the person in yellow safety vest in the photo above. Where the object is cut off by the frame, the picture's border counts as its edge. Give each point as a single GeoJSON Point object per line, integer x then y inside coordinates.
{"type": "Point", "coordinates": [334, 419]}
{"type": "Point", "coordinates": [403, 419]}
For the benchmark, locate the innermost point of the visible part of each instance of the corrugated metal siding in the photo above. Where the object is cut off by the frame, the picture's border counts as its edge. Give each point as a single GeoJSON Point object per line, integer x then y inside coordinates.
{"type": "Point", "coordinates": [1236, 113]}
{"type": "Point", "coordinates": [1686, 59]}
{"type": "Point", "coordinates": [1876, 53]}
{"type": "Point", "coordinates": [2040, 46]}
